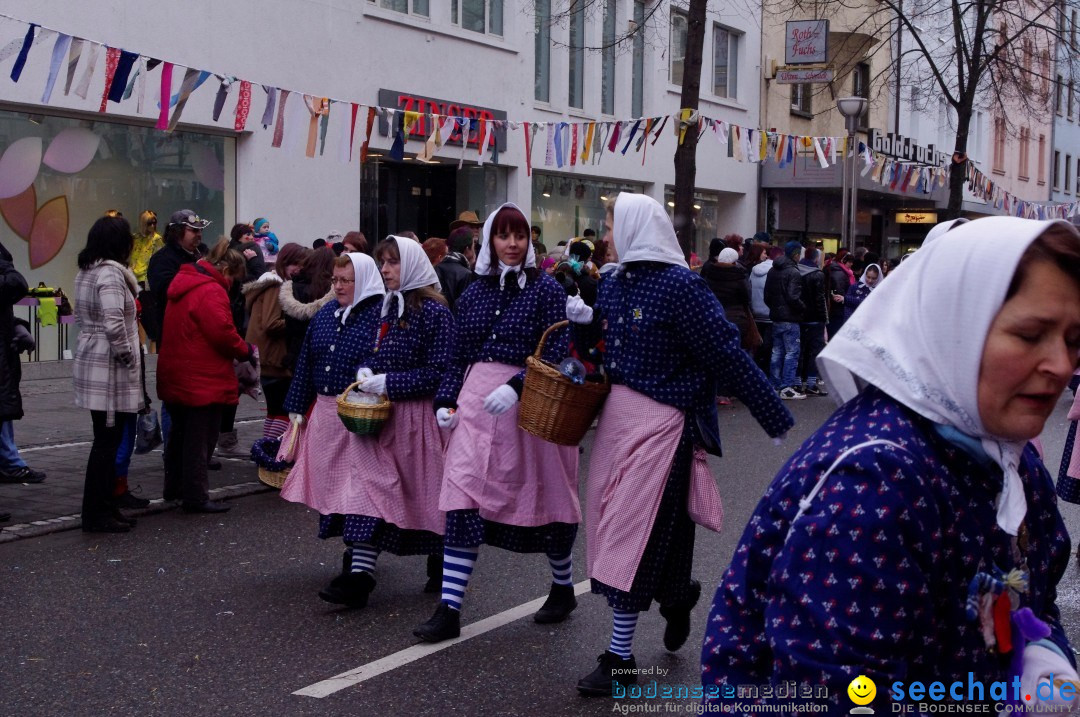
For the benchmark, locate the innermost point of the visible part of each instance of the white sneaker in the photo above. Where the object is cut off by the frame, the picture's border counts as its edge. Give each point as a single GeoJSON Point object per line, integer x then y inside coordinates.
{"type": "Point", "coordinates": [790, 394]}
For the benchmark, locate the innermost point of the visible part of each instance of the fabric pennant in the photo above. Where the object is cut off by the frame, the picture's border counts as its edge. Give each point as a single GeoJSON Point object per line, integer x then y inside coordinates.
{"type": "Point", "coordinates": [91, 63]}
{"type": "Point", "coordinates": [120, 76]}
{"type": "Point", "coordinates": [24, 52]}
{"type": "Point", "coordinates": [573, 144]}
{"type": "Point", "coordinates": [112, 61]}
{"type": "Point", "coordinates": [60, 50]}
{"type": "Point", "coordinates": [549, 154]}
{"type": "Point", "coordinates": [630, 138]}
{"type": "Point", "coordinates": [663, 124]}
{"type": "Point", "coordinates": [140, 81]}
{"type": "Point", "coordinates": [324, 126]}
{"type": "Point", "coordinates": [279, 123]}
{"type": "Point", "coordinates": [191, 80]}
{"type": "Point", "coordinates": [616, 130]}
{"type": "Point", "coordinates": [271, 105]}
{"type": "Point", "coordinates": [480, 137]}
{"type": "Point", "coordinates": [354, 111]}
{"type": "Point", "coordinates": [166, 90]}
{"type": "Point", "coordinates": [243, 106]}
{"type": "Point", "coordinates": [367, 134]}
{"type": "Point", "coordinates": [221, 96]}
{"type": "Point", "coordinates": [397, 127]}
{"type": "Point", "coordinates": [74, 53]}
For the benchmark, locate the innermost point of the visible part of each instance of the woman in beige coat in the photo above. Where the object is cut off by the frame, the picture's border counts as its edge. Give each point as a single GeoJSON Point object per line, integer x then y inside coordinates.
{"type": "Point", "coordinates": [108, 375]}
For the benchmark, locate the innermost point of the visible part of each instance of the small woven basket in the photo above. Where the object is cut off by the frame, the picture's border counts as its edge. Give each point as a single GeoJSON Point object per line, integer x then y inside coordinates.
{"type": "Point", "coordinates": [361, 418]}
{"type": "Point", "coordinates": [272, 472]}
{"type": "Point", "coordinates": [274, 479]}
{"type": "Point", "coordinates": [552, 406]}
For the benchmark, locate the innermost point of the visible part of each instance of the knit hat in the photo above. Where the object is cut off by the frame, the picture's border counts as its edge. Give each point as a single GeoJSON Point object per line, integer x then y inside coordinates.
{"type": "Point", "coordinates": [715, 247]}
{"type": "Point", "coordinates": [792, 247]}
{"type": "Point", "coordinates": [727, 256]}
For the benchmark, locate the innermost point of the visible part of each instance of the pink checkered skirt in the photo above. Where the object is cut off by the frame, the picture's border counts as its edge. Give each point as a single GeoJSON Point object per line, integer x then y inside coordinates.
{"type": "Point", "coordinates": [632, 457]}
{"type": "Point", "coordinates": [322, 478]}
{"type": "Point", "coordinates": [511, 476]}
{"type": "Point", "coordinates": [399, 473]}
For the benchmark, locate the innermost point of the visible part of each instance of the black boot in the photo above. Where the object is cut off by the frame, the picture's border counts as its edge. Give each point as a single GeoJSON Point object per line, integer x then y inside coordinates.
{"type": "Point", "coordinates": [559, 604]}
{"type": "Point", "coordinates": [678, 618]}
{"type": "Point", "coordinates": [611, 669]}
{"type": "Point", "coordinates": [121, 518]}
{"type": "Point", "coordinates": [349, 589]}
{"type": "Point", "coordinates": [443, 625]}
{"type": "Point", "coordinates": [434, 573]}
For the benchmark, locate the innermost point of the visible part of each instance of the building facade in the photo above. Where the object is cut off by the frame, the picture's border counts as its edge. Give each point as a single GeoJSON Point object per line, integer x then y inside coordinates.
{"type": "Point", "coordinates": [1064, 165]}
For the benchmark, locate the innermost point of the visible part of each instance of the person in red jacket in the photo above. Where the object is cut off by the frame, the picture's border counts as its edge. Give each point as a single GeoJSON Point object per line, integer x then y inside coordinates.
{"type": "Point", "coordinates": [195, 374]}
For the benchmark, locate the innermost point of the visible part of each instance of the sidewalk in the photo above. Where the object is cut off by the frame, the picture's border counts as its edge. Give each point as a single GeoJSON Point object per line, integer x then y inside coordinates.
{"type": "Point", "coordinates": [55, 437]}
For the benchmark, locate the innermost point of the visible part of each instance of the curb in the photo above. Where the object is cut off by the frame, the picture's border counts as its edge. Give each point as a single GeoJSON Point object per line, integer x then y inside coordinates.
{"type": "Point", "coordinates": [37, 528]}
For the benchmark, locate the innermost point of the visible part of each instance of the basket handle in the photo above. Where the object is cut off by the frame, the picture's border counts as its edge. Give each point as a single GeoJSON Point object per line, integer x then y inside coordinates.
{"type": "Point", "coordinates": [352, 385]}
{"type": "Point", "coordinates": [554, 327]}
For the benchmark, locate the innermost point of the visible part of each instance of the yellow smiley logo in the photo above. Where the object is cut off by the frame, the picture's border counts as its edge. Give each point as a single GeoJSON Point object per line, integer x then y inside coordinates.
{"type": "Point", "coordinates": [862, 690]}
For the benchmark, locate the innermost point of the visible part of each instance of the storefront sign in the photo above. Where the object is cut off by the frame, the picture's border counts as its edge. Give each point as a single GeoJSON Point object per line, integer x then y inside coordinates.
{"type": "Point", "coordinates": [806, 42]}
{"type": "Point", "coordinates": [905, 149]}
{"type": "Point", "coordinates": [430, 105]}
{"type": "Point", "coordinates": [798, 77]}
{"type": "Point", "coordinates": [916, 218]}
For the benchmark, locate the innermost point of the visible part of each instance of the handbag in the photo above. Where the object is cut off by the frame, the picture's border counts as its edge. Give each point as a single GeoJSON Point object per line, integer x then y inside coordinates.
{"type": "Point", "coordinates": [290, 444]}
{"type": "Point", "coordinates": [752, 341]}
{"type": "Point", "coordinates": [147, 432]}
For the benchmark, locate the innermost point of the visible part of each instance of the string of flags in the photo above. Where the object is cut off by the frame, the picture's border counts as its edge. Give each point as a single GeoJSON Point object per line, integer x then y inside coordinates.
{"type": "Point", "coordinates": [565, 144]}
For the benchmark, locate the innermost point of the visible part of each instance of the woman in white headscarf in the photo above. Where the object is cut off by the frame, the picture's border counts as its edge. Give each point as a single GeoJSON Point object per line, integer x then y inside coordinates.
{"type": "Point", "coordinates": [861, 289]}
{"type": "Point", "coordinates": [897, 539]}
{"type": "Point", "coordinates": [398, 473]}
{"type": "Point", "coordinates": [340, 339]}
{"type": "Point", "coordinates": [502, 486]}
{"type": "Point", "coordinates": [669, 350]}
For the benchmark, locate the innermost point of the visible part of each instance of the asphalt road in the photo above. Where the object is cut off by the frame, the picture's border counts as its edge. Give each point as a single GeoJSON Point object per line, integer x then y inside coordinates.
{"type": "Point", "coordinates": [218, 615]}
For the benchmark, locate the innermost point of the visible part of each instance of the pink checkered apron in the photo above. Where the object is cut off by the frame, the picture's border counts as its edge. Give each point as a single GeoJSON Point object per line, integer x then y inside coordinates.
{"type": "Point", "coordinates": [511, 476]}
{"type": "Point", "coordinates": [632, 456]}
{"type": "Point", "coordinates": [322, 477]}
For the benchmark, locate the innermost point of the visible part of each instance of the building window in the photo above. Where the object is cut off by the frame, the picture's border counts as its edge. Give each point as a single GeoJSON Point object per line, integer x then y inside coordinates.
{"type": "Point", "coordinates": [860, 87]}
{"type": "Point", "coordinates": [725, 62]}
{"type": "Point", "coordinates": [1025, 151]}
{"type": "Point", "coordinates": [679, 25]}
{"type": "Point", "coordinates": [1042, 160]}
{"type": "Point", "coordinates": [1072, 32]}
{"type": "Point", "coordinates": [542, 59]}
{"type": "Point", "coordinates": [419, 7]}
{"type": "Point", "coordinates": [1071, 99]}
{"type": "Point", "coordinates": [478, 15]}
{"type": "Point", "coordinates": [607, 60]}
{"type": "Point", "coordinates": [999, 144]}
{"type": "Point", "coordinates": [1068, 174]}
{"type": "Point", "coordinates": [637, 99]}
{"type": "Point", "coordinates": [577, 54]}
{"type": "Point", "coordinates": [1056, 177]}
{"type": "Point", "coordinates": [1059, 85]}
{"type": "Point", "coordinates": [800, 99]}
{"type": "Point", "coordinates": [1044, 66]}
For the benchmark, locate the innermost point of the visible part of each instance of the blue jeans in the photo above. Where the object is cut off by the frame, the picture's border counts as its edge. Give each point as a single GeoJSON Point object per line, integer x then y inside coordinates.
{"type": "Point", "coordinates": [127, 442]}
{"type": "Point", "coordinates": [813, 340]}
{"type": "Point", "coordinates": [785, 354]}
{"type": "Point", "coordinates": [9, 452]}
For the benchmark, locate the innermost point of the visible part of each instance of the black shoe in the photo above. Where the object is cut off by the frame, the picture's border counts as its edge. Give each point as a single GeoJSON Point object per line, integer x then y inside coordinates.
{"type": "Point", "coordinates": [678, 618]}
{"type": "Point", "coordinates": [206, 507]}
{"type": "Point", "coordinates": [5, 517]}
{"type": "Point", "coordinates": [349, 589]}
{"type": "Point", "coordinates": [22, 475]}
{"type": "Point", "coordinates": [599, 682]}
{"type": "Point", "coordinates": [129, 501]}
{"type": "Point", "coordinates": [105, 525]}
{"type": "Point", "coordinates": [445, 624]}
{"type": "Point", "coordinates": [121, 518]}
{"type": "Point", "coordinates": [559, 604]}
{"type": "Point", "coordinates": [213, 464]}
{"type": "Point", "coordinates": [434, 573]}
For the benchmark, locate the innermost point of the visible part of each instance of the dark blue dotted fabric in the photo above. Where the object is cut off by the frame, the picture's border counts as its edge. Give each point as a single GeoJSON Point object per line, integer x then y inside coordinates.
{"type": "Point", "coordinates": [415, 352]}
{"type": "Point", "coordinates": [874, 578]}
{"type": "Point", "coordinates": [665, 336]}
{"type": "Point", "coordinates": [503, 325]}
{"type": "Point", "coordinates": [466, 529]}
{"type": "Point", "coordinates": [377, 532]}
{"type": "Point", "coordinates": [331, 353]}
{"type": "Point", "coordinates": [1068, 488]}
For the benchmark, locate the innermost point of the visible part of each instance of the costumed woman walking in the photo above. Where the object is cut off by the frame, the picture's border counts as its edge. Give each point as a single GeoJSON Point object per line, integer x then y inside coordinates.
{"type": "Point", "coordinates": [669, 352]}
{"type": "Point", "coordinates": [398, 473]}
{"type": "Point", "coordinates": [503, 486]}
{"type": "Point", "coordinates": [340, 338]}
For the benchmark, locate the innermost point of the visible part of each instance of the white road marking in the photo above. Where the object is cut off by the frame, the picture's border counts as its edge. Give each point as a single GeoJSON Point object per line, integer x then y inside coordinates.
{"type": "Point", "coordinates": [412, 654]}
{"type": "Point", "coordinates": [76, 444]}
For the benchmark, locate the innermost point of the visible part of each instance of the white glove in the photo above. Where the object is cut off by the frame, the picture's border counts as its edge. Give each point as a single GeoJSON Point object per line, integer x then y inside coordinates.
{"type": "Point", "coordinates": [363, 373]}
{"type": "Point", "coordinates": [577, 311]}
{"type": "Point", "coordinates": [500, 400]}
{"type": "Point", "coordinates": [1045, 671]}
{"type": "Point", "coordinates": [446, 418]}
{"type": "Point", "coordinates": [779, 440]}
{"type": "Point", "coordinates": [373, 384]}
{"type": "Point", "coordinates": [297, 419]}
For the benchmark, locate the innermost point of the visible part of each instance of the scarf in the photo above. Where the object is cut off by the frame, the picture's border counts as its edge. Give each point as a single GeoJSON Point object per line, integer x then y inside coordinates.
{"type": "Point", "coordinates": [483, 261]}
{"type": "Point", "coordinates": [643, 231]}
{"type": "Point", "coordinates": [416, 272]}
{"type": "Point", "coordinates": [368, 283]}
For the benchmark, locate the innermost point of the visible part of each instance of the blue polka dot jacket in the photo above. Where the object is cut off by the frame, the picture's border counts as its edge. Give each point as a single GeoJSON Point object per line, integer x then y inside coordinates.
{"type": "Point", "coordinates": [415, 350]}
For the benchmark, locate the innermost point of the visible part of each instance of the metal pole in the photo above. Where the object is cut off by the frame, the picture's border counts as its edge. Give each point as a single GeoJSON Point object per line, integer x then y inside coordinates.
{"type": "Point", "coordinates": [853, 192]}
{"type": "Point", "coordinates": [844, 239]}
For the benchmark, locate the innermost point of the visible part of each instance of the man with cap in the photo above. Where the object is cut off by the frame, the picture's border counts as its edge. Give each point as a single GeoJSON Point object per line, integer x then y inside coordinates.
{"type": "Point", "coordinates": [468, 219]}
{"type": "Point", "coordinates": [784, 297]}
{"type": "Point", "coordinates": [182, 237]}
{"type": "Point", "coordinates": [455, 270]}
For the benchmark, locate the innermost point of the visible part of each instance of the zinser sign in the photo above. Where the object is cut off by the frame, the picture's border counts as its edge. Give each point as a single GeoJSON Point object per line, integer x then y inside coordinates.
{"type": "Point", "coordinates": [806, 42]}
{"type": "Point", "coordinates": [903, 148]}
{"type": "Point", "coordinates": [429, 105]}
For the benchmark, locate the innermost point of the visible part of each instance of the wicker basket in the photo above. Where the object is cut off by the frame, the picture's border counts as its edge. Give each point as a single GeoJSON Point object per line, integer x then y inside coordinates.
{"type": "Point", "coordinates": [360, 418]}
{"type": "Point", "coordinates": [552, 406]}
{"type": "Point", "coordinates": [274, 479]}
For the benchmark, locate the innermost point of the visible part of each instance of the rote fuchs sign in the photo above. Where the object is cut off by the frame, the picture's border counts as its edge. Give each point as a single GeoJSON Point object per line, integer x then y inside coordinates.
{"type": "Point", "coordinates": [798, 77]}
{"type": "Point", "coordinates": [903, 148]}
{"type": "Point", "coordinates": [806, 42]}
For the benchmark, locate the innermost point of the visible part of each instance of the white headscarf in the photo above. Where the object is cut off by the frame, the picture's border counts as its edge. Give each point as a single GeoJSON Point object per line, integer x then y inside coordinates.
{"type": "Point", "coordinates": [416, 272]}
{"type": "Point", "coordinates": [483, 257]}
{"type": "Point", "coordinates": [368, 282]}
{"type": "Point", "coordinates": [919, 337]}
{"type": "Point", "coordinates": [880, 276]}
{"type": "Point", "coordinates": [642, 231]}
{"type": "Point", "coordinates": [939, 229]}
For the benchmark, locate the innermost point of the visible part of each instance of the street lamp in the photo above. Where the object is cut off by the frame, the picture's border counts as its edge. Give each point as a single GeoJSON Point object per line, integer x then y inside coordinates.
{"type": "Point", "coordinates": [851, 108]}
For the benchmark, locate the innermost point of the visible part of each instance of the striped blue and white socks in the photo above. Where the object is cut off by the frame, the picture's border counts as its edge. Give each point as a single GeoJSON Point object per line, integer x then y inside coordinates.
{"type": "Point", "coordinates": [363, 558]}
{"type": "Point", "coordinates": [562, 568]}
{"type": "Point", "coordinates": [457, 569]}
{"type": "Point", "coordinates": [622, 633]}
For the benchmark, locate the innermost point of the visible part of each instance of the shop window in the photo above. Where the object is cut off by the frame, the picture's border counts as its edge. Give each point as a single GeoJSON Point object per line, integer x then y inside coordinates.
{"type": "Point", "coordinates": [577, 55]}
{"type": "Point", "coordinates": [542, 58]}
{"type": "Point", "coordinates": [679, 26]}
{"type": "Point", "coordinates": [484, 16]}
{"type": "Point", "coordinates": [800, 100]}
{"type": "Point", "coordinates": [565, 206]}
{"type": "Point", "coordinates": [416, 7]}
{"type": "Point", "coordinates": [706, 211]}
{"type": "Point", "coordinates": [725, 62]}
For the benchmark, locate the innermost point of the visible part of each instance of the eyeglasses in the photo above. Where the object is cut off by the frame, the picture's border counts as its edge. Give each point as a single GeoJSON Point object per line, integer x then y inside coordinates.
{"type": "Point", "coordinates": [343, 282]}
